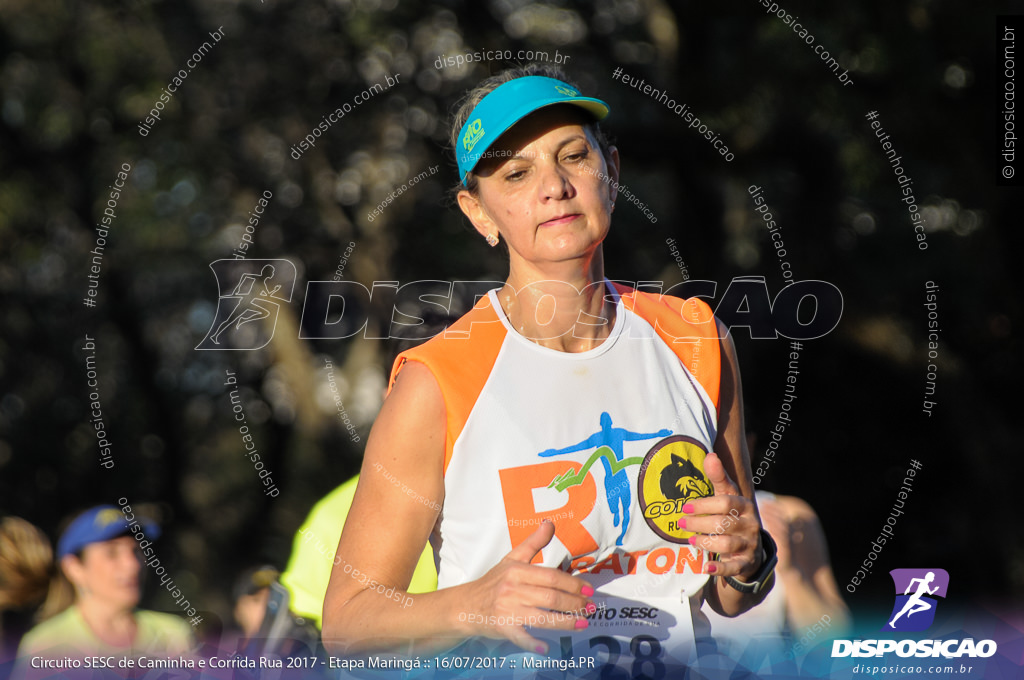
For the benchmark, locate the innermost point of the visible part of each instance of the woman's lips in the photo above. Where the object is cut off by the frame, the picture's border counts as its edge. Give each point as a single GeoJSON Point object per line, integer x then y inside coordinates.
{"type": "Point", "coordinates": [560, 220]}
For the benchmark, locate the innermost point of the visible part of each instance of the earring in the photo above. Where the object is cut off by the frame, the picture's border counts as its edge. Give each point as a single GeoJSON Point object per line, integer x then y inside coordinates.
{"type": "Point", "coordinates": [492, 240]}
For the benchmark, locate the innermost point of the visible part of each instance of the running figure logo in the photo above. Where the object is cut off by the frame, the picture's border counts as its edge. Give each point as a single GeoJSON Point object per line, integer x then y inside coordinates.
{"type": "Point", "coordinates": [608, 444]}
{"type": "Point", "coordinates": [249, 290]}
{"type": "Point", "coordinates": [916, 611]}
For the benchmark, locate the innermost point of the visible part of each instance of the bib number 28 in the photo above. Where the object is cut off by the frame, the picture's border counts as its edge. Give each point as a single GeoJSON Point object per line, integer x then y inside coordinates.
{"type": "Point", "coordinates": [644, 650]}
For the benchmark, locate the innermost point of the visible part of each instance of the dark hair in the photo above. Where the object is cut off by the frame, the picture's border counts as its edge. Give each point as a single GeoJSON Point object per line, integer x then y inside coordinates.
{"type": "Point", "coordinates": [464, 108]}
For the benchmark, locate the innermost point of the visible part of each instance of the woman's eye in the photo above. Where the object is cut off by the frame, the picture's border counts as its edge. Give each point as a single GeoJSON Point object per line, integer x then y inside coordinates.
{"type": "Point", "coordinates": [515, 175]}
{"type": "Point", "coordinates": [576, 156]}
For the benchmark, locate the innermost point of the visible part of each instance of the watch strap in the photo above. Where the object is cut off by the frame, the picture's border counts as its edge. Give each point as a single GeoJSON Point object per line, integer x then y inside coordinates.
{"type": "Point", "coordinates": [764, 574]}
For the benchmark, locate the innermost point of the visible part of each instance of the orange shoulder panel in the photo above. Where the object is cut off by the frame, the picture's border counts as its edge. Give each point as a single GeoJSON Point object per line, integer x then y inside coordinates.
{"type": "Point", "coordinates": [688, 327]}
{"type": "Point", "coordinates": [460, 359]}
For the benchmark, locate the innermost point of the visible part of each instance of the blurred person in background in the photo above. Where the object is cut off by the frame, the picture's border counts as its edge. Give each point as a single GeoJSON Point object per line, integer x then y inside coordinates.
{"type": "Point", "coordinates": [804, 606]}
{"type": "Point", "coordinates": [251, 592]}
{"type": "Point", "coordinates": [804, 570]}
{"type": "Point", "coordinates": [291, 620]}
{"type": "Point", "coordinates": [99, 579]}
{"type": "Point", "coordinates": [26, 573]}
{"type": "Point", "coordinates": [313, 555]}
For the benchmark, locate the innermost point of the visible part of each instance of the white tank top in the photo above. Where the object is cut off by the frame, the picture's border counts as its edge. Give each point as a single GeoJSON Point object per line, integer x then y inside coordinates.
{"type": "Point", "coordinates": [608, 444]}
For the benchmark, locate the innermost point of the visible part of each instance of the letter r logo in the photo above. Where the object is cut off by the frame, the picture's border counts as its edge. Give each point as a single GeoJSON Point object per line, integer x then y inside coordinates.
{"type": "Point", "coordinates": [518, 486]}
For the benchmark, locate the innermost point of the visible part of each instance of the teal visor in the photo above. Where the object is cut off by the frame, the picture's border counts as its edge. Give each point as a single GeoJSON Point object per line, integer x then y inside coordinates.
{"type": "Point", "coordinates": [506, 105]}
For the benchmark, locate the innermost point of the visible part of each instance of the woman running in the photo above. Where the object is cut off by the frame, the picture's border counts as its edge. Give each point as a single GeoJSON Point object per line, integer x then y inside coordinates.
{"type": "Point", "coordinates": [584, 441]}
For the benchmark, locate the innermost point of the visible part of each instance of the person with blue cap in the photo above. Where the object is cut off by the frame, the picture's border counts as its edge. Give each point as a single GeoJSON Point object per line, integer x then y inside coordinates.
{"type": "Point", "coordinates": [572, 447]}
{"type": "Point", "coordinates": [101, 560]}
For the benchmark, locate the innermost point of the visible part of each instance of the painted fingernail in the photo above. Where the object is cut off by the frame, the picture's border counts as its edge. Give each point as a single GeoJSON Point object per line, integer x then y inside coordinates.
{"type": "Point", "coordinates": [587, 591]}
{"type": "Point", "coordinates": [591, 607]}
{"type": "Point", "coordinates": [688, 508]}
{"type": "Point", "coordinates": [581, 624]}
{"type": "Point", "coordinates": [540, 649]}
{"type": "Point", "coordinates": [682, 523]}
{"type": "Point", "coordinates": [712, 568]}
{"type": "Point", "coordinates": [692, 540]}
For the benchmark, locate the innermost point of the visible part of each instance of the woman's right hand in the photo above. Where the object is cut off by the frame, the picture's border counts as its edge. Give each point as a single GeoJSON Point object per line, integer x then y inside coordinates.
{"type": "Point", "coordinates": [515, 594]}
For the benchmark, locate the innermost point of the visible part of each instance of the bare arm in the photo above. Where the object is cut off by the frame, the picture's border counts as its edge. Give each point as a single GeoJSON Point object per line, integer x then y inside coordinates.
{"type": "Point", "coordinates": [386, 529]}
{"type": "Point", "coordinates": [804, 568]}
{"type": "Point", "coordinates": [739, 545]}
{"type": "Point", "coordinates": [385, 533]}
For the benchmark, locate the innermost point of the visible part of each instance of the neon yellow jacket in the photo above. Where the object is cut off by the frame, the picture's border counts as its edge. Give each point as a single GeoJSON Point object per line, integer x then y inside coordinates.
{"type": "Point", "coordinates": [309, 567]}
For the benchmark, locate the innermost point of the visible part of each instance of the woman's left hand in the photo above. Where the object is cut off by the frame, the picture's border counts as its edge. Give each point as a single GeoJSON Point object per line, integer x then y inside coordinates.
{"type": "Point", "coordinates": [725, 523]}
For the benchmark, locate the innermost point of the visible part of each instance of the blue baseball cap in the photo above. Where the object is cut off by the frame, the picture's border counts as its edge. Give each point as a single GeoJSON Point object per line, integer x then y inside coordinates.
{"type": "Point", "coordinates": [509, 103]}
{"type": "Point", "coordinates": [101, 523]}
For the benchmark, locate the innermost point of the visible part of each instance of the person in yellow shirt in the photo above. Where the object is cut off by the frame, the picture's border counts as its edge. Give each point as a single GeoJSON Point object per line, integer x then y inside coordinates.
{"type": "Point", "coordinates": [313, 555]}
{"type": "Point", "coordinates": [101, 560]}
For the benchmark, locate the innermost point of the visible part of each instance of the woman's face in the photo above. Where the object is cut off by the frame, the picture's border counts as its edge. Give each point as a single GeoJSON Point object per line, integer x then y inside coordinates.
{"type": "Point", "coordinates": [545, 187]}
{"type": "Point", "coordinates": [108, 571]}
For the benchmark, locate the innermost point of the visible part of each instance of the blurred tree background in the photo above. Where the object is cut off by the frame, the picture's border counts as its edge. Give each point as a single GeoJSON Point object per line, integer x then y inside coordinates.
{"type": "Point", "coordinates": [76, 79]}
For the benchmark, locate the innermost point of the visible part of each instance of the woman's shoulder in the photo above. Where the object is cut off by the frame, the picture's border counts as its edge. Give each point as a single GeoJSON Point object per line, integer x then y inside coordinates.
{"type": "Point", "coordinates": [675, 319]}
{"type": "Point", "coordinates": [480, 324]}
{"type": "Point", "coordinates": [691, 309]}
{"type": "Point", "coordinates": [469, 343]}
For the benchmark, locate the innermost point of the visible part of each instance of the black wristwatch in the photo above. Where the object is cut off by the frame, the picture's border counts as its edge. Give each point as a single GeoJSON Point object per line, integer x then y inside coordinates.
{"type": "Point", "coordinates": [764, 574]}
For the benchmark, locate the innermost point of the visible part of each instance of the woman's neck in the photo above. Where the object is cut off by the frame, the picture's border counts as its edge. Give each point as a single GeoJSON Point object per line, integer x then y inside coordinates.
{"type": "Point", "coordinates": [565, 310]}
{"type": "Point", "coordinates": [113, 625]}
